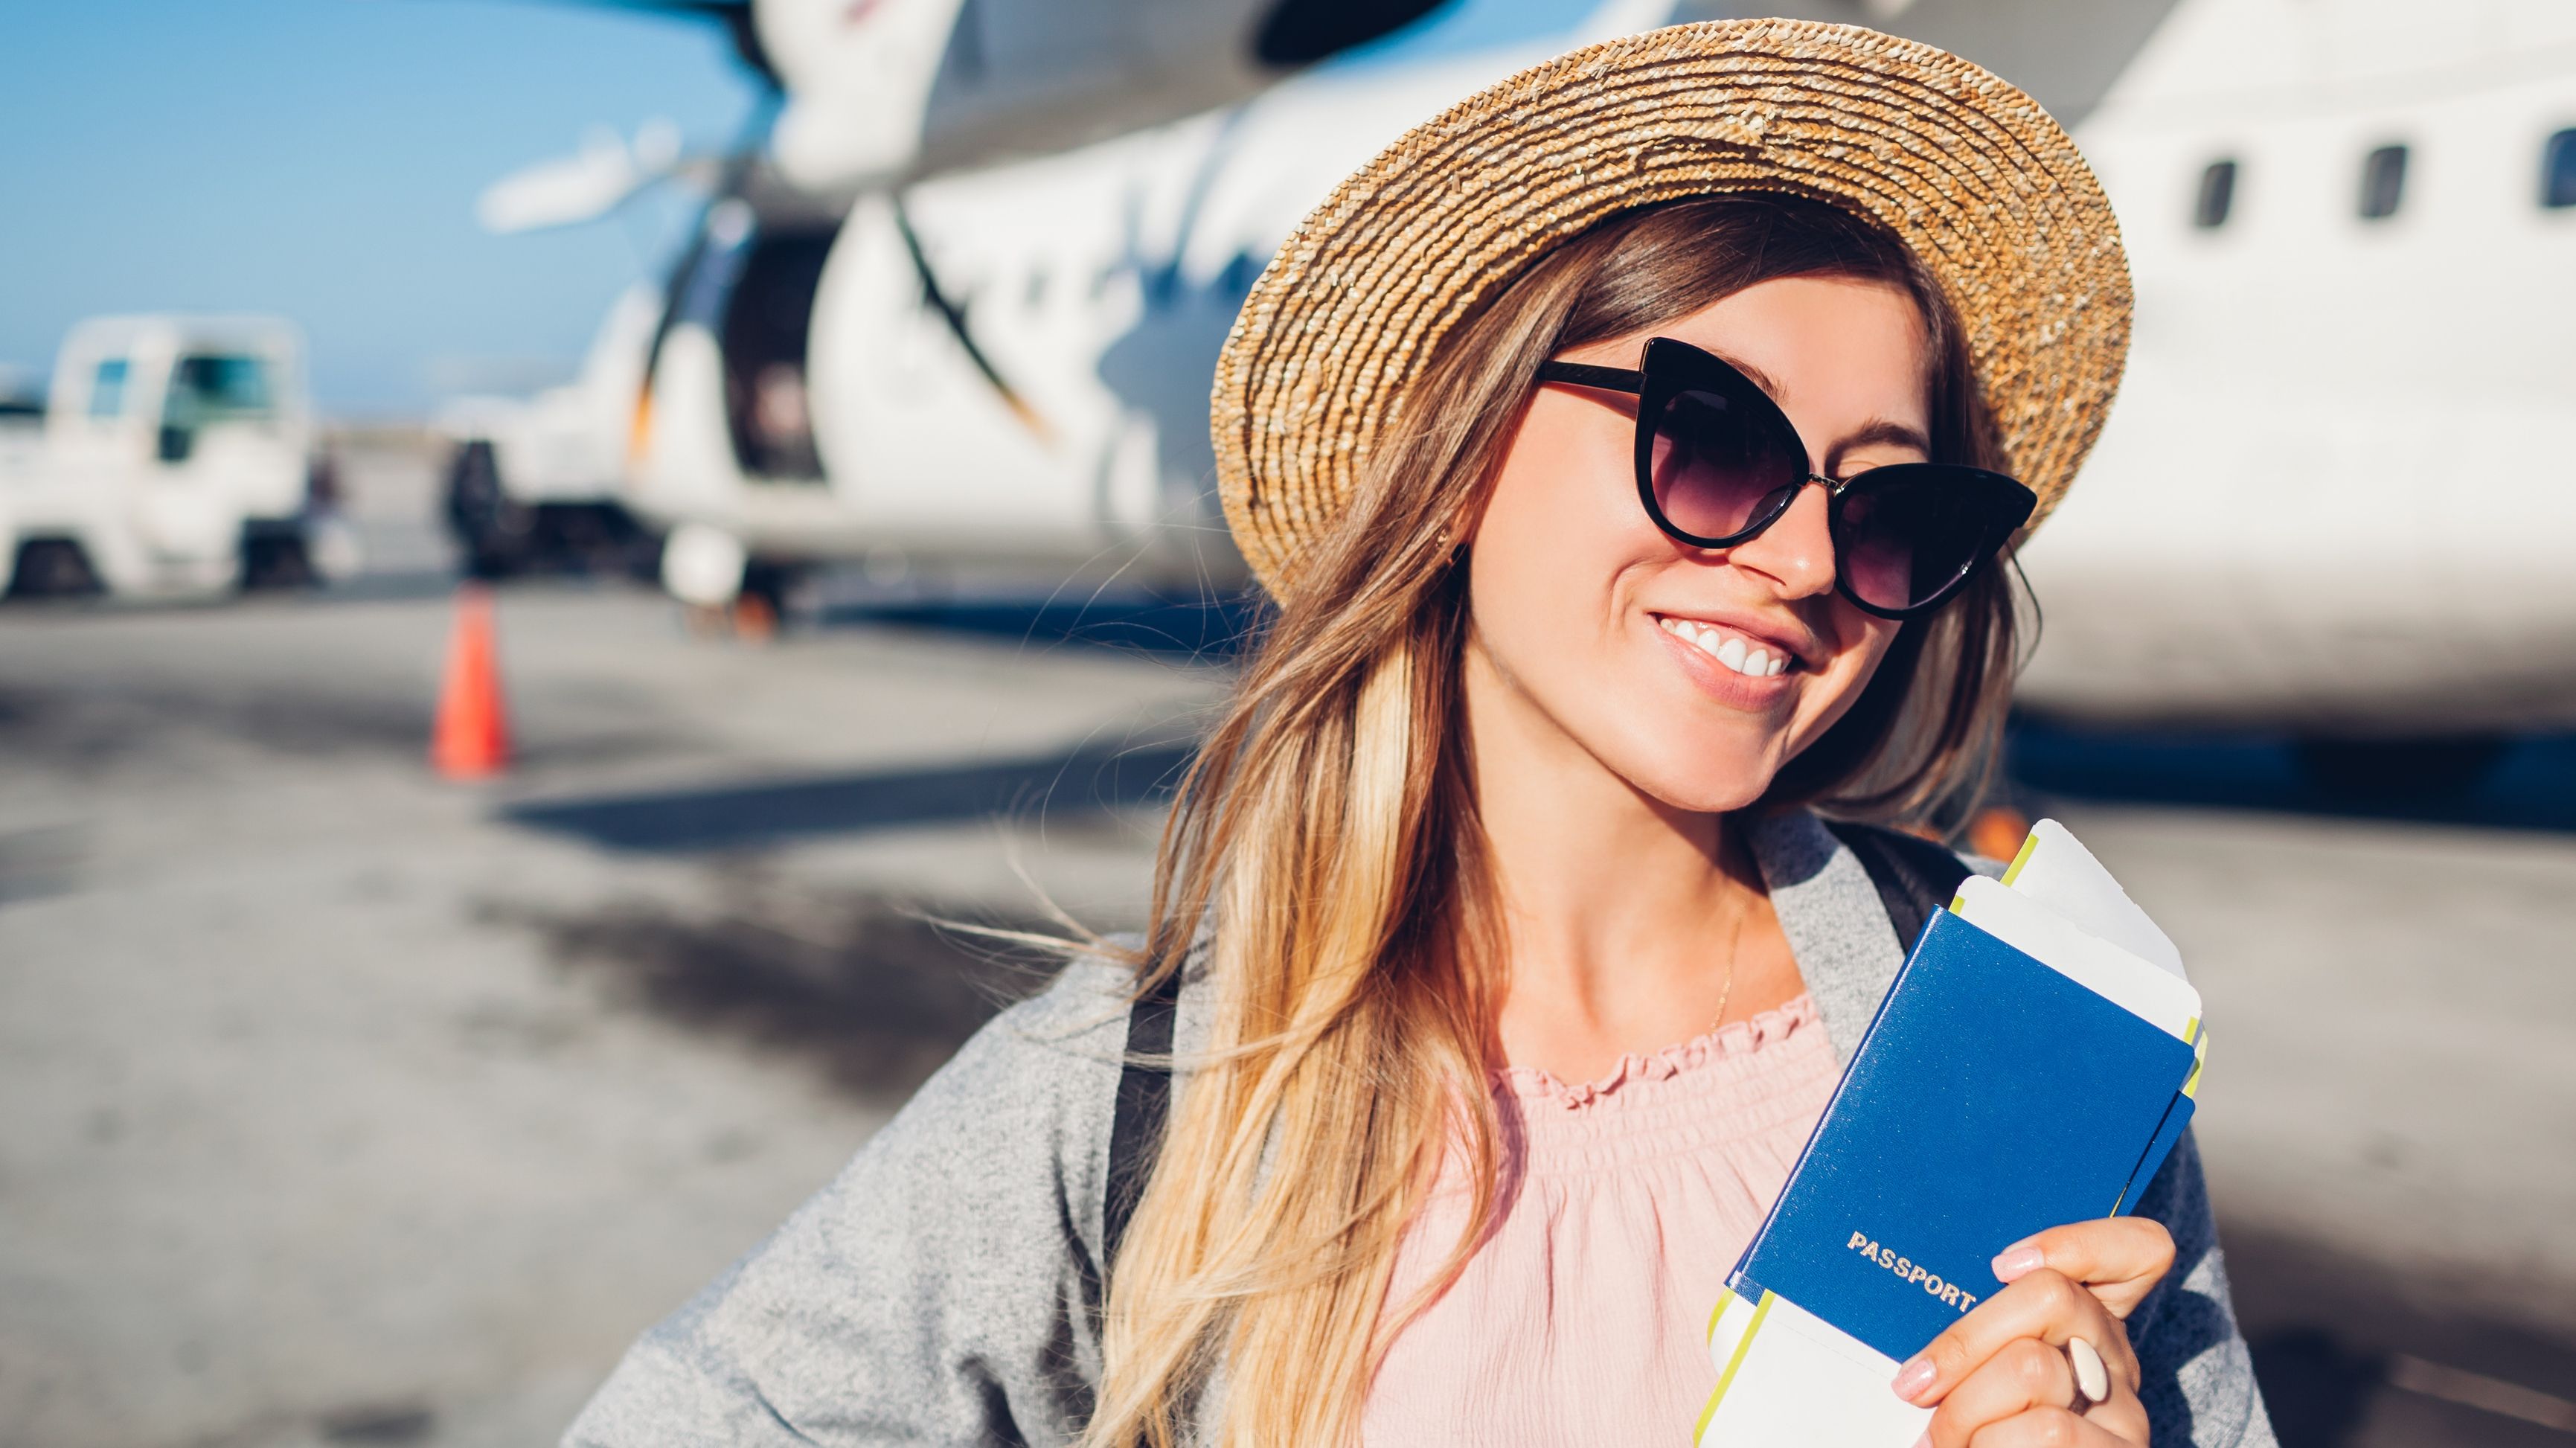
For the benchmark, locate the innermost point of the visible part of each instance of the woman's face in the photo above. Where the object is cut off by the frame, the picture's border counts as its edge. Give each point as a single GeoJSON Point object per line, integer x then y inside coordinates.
{"type": "Point", "coordinates": [1594, 630]}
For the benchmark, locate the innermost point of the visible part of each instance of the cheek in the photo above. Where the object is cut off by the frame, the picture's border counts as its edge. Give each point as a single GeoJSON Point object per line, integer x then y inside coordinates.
{"type": "Point", "coordinates": [1866, 641]}
{"type": "Point", "coordinates": [1560, 527]}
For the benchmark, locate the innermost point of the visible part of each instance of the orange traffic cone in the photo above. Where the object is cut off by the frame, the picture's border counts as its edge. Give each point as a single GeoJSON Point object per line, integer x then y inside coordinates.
{"type": "Point", "coordinates": [472, 737]}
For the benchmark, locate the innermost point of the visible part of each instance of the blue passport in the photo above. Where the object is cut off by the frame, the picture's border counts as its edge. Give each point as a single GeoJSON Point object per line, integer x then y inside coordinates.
{"type": "Point", "coordinates": [1992, 1097]}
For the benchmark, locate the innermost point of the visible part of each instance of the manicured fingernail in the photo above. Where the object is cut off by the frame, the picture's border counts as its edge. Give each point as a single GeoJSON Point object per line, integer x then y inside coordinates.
{"type": "Point", "coordinates": [1913, 1378]}
{"type": "Point", "coordinates": [1923, 1442]}
{"type": "Point", "coordinates": [2017, 1262]}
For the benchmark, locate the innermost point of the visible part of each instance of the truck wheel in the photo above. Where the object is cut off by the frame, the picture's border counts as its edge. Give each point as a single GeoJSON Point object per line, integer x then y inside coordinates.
{"type": "Point", "coordinates": [53, 568]}
{"type": "Point", "coordinates": [2400, 769]}
{"type": "Point", "coordinates": [493, 531]}
{"type": "Point", "coordinates": [276, 561]}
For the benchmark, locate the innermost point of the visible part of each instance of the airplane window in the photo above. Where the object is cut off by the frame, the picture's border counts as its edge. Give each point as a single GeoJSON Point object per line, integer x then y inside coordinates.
{"type": "Point", "coordinates": [2383, 182]}
{"type": "Point", "coordinates": [2217, 195]}
{"type": "Point", "coordinates": [2558, 171]}
{"type": "Point", "coordinates": [107, 388]}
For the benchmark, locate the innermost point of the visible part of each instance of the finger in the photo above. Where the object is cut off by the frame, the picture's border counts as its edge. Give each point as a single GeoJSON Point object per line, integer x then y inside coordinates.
{"type": "Point", "coordinates": [2056, 1428]}
{"type": "Point", "coordinates": [2045, 1305]}
{"type": "Point", "coordinates": [2025, 1374]}
{"type": "Point", "coordinates": [2120, 1259]}
{"type": "Point", "coordinates": [2124, 1417]}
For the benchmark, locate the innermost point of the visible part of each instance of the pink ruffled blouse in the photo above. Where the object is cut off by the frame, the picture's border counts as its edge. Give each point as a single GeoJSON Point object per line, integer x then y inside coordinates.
{"type": "Point", "coordinates": [1583, 1316]}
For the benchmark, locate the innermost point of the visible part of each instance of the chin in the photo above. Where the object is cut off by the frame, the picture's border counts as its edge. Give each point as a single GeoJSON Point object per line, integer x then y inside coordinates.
{"type": "Point", "coordinates": [1715, 782]}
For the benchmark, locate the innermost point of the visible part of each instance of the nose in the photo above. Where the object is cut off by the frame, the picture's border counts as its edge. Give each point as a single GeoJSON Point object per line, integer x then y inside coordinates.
{"type": "Point", "coordinates": [1797, 552]}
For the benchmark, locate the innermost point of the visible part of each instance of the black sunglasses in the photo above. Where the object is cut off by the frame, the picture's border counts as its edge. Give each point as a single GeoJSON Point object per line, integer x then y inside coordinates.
{"type": "Point", "coordinates": [1718, 462]}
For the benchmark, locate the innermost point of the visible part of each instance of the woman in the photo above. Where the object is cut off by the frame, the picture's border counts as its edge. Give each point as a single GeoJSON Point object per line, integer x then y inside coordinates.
{"type": "Point", "coordinates": [1625, 451]}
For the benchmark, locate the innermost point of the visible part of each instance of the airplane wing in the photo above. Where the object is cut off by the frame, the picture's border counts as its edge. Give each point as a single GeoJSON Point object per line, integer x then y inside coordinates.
{"type": "Point", "coordinates": [886, 91]}
{"type": "Point", "coordinates": [891, 90]}
{"type": "Point", "coordinates": [734, 16]}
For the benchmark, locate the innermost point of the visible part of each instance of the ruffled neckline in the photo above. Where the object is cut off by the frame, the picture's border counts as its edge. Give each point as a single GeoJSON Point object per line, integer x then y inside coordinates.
{"type": "Point", "coordinates": [1735, 1038]}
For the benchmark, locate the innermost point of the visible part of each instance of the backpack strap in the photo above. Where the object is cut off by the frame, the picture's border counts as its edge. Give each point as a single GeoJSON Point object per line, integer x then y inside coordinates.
{"type": "Point", "coordinates": [1144, 1100]}
{"type": "Point", "coordinates": [1914, 876]}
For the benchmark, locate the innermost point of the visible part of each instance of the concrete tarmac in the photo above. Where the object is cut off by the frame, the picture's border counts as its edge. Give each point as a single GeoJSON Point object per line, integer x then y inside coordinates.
{"type": "Point", "coordinates": [342, 1105]}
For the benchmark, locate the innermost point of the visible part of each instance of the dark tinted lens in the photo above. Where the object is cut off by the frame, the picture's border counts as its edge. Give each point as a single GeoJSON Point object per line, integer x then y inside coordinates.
{"type": "Point", "coordinates": [1719, 465]}
{"type": "Point", "coordinates": [1907, 532]}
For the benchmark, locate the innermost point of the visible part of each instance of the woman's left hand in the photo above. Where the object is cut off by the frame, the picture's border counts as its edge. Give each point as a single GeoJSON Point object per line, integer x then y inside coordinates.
{"type": "Point", "coordinates": [2002, 1374]}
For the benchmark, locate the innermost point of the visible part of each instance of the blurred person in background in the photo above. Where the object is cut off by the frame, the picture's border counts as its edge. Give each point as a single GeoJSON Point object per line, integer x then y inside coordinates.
{"type": "Point", "coordinates": [1630, 469]}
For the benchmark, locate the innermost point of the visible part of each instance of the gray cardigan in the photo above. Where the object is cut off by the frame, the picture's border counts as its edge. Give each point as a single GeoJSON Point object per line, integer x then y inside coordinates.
{"type": "Point", "coordinates": [945, 1288]}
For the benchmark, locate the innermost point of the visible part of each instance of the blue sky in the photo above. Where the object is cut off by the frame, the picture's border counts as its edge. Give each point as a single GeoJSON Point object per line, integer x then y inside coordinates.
{"type": "Point", "coordinates": [320, 159]}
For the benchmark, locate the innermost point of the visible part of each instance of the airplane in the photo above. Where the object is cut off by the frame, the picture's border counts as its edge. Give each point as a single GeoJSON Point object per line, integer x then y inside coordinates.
{"type": "Point", "coordinates": [931, 333]}
{"type": "Point", "coordinates": [2325, 498]}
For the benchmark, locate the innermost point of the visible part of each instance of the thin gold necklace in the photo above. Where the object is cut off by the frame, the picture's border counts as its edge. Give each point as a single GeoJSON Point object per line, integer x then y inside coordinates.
{"type": "Point", "coordinates": [1726, 992]}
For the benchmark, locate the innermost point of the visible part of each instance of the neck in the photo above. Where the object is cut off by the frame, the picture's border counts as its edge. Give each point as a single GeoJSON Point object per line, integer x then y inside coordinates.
{"type": "Point", "coordinates": [1627, 924]}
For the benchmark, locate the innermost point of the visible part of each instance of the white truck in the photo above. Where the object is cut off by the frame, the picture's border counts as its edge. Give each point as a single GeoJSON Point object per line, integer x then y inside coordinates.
{"type": "Point", "coordinates": [175, 458]}
{"type": "Point", "coordinates": [538, 484]}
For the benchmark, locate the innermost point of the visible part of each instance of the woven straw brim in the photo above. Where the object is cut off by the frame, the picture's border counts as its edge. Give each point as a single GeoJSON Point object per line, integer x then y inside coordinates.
{"type": "Point", "coordinates": [1967, 170]}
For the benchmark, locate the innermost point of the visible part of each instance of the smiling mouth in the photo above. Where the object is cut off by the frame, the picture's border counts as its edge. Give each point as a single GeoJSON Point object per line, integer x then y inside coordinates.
{"type": "Point", "coordinates": [1754, 661]}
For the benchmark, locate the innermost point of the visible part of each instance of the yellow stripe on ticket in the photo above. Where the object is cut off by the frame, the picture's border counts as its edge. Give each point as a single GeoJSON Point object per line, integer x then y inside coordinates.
{"type": "Point", "coordinates": [1752, 1330]}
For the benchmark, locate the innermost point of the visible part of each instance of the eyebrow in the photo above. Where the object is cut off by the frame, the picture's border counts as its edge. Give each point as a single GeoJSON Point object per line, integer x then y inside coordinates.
{"type": "Point", "coordinates": [1877, 430]}
{"type": "Point", "coordinates": [1770, 385]}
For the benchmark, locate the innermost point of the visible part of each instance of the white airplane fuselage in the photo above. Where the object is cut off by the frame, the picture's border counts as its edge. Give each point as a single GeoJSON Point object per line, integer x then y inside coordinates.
{"type": "Point", "coordinates": [2325, 500]}
{"type": "Point", "coordinates": [2330, 494]}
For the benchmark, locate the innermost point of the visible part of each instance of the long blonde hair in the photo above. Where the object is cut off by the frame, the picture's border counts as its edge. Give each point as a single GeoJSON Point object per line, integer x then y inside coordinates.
{"type": "Point", "coordinates": [1323, 862]}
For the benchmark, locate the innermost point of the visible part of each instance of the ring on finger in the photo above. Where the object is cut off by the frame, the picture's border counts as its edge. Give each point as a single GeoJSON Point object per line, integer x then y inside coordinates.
{"type": "Point", "coordinates": [2092, 1376]}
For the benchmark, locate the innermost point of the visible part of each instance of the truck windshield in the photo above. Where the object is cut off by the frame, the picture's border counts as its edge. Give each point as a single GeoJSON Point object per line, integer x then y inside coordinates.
{"type": "Point", "coordinates": [210, 387]}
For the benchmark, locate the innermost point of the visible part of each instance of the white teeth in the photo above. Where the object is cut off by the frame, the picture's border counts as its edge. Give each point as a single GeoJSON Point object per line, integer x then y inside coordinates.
{"type": "Point", "coordinates": [1753, 663]}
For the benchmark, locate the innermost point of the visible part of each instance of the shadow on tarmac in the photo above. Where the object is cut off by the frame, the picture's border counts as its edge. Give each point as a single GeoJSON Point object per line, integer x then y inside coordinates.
{"type": "Point", "coordinates": [873, 991]}
{"type": "Point", "coordinates": [1191, 629]}
{"type": "Point", "coordinates": [1093, 778]}
{"type": "Point", "coordinates": [2352, 1353]}
{"type": "Point", "coordinates": [2530, 784]}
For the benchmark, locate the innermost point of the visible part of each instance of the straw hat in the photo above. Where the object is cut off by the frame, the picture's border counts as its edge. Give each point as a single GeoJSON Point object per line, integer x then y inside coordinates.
{"type": "Point", "coordinates": [1969, 172]}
